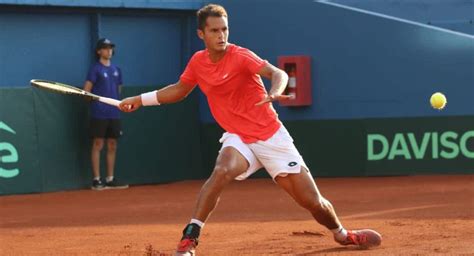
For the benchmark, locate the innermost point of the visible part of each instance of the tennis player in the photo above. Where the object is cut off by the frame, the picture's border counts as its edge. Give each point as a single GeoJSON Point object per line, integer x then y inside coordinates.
{"type": "Point", "coordinates": [230, 77]}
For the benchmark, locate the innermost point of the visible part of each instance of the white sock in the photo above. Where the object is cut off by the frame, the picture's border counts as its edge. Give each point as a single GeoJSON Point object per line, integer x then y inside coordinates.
{"type": "Point", "coordinates": [197, 222]}
{"type": "Point", "coordinates": [109, 178]}
{"type": "Point", "coordinates": [340, 233]}
{"type": "Point", "coordinates": [97, 178]}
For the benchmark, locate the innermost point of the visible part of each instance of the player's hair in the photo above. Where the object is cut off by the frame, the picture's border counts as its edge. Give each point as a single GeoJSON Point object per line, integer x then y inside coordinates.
{"type": "Point", "coordinates": [210, 10]}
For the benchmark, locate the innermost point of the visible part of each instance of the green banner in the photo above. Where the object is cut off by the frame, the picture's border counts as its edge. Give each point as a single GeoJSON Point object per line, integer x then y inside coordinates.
{"type": "Point", "coordinates": [160, 144]}
{"type": "Point", "coordinates": [420, 145]}
{"type": "Point", "coordinates": [45, 144]}
{"type": "Point", "coordinates": [63, 143]}
{"type": "Point", "coordinates": [374, 147]}
{"type": "Point", "coordinates": [19, 164]}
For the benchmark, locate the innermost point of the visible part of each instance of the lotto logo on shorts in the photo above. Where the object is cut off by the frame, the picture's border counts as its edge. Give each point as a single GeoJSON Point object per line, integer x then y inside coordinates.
{"type": "Point", "coordinates": [9, 154]}
{"type": "Point", "coordinates": [292, 164]}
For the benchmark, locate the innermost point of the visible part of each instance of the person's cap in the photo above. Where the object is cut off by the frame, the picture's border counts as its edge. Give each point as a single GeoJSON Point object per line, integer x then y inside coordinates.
{"type": "Point", "coordinates": [104, 42]}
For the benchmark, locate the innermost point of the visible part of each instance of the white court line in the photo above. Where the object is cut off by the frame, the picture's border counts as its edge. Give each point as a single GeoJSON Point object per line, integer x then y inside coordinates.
{"type": "Point", "coordinates": [405, 209]}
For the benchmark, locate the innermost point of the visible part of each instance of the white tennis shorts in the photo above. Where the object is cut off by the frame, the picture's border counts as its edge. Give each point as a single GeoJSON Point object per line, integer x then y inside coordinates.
{"type": "Point", "coordinates": [278, 154]}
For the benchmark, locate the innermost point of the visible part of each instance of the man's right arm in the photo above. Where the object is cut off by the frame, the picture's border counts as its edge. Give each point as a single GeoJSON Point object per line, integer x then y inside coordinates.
{"type": "Point", "coordinates": [174, 93]}
{"type": "Point", "coordinates": [167, 95]}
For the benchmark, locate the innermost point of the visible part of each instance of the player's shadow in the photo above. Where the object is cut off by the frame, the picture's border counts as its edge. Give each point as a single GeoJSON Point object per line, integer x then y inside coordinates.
{"type": "Point", "coordinates": [324, 251]}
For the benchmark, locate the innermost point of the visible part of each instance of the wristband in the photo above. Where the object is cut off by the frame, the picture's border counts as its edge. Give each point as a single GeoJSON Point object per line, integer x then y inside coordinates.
{"type": "Point", "coordinates": [149, 99]}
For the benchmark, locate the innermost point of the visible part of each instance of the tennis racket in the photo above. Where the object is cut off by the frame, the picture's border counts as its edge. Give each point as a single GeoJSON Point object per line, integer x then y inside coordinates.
{"type": "Point", "coordinates": [68, 89]}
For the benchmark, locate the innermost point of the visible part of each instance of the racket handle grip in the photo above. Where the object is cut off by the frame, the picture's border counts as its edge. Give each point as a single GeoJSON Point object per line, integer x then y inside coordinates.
{"type": "Point", "coordinates": [109, 101]}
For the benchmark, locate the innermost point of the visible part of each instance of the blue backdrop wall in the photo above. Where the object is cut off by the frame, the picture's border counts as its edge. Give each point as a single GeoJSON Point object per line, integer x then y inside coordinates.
{"type": "Point", "coordinates": [364, 65]}
{"type": "Point", "coordinates": [57, 43]}
{"type": "Point", "coordinates": [150, 4]}
{"type": "Point", "coordinates": [457, 15]}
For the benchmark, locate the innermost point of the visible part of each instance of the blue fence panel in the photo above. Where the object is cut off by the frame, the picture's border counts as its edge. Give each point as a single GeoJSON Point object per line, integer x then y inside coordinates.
{"type": "Point", "coordinates": [48, 46]}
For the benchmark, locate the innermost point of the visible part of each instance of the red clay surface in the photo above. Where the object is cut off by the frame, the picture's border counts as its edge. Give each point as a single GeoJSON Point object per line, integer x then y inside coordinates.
{"type": "Point", "coordinates": [421, 215]}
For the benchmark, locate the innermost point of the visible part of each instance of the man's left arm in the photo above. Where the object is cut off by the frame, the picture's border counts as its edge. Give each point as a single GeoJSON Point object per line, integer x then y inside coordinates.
{"type": "Point", "coordinates": [279, 80]}
{"type": "Point", "coordinates": [120, 81]}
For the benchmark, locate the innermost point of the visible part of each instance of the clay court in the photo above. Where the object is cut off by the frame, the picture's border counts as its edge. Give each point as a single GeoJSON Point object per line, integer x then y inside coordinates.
{"type": "Point", "coordinates": [420, 215]}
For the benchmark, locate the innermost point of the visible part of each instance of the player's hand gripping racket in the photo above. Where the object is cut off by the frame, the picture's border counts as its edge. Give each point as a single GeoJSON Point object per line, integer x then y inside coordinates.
{"type": "Point", "coordinates": [68, 89]}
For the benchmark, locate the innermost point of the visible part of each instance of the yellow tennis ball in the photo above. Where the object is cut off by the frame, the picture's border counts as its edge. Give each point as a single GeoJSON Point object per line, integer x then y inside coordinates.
{"type": "Point", "coordinates": [438, 100]}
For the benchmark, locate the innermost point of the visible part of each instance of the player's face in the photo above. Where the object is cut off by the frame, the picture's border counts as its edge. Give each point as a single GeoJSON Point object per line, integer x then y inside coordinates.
{"type": "Point", "coordinates": [215, 34]}
{"type": "Point", "coordinates": [106, 53]}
